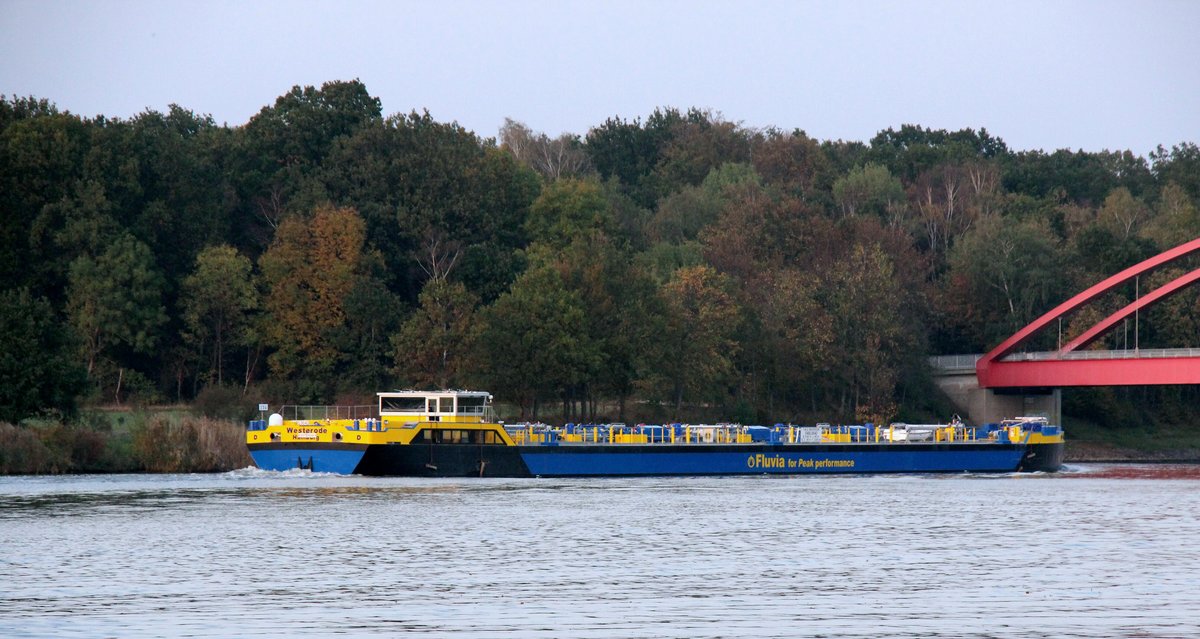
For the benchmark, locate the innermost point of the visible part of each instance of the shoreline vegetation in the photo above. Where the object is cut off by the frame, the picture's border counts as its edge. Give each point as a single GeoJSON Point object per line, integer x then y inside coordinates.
{"type": "Point", "coordinates": [173, 439]}
{"type": "Point", "coordinates": [158, 441]}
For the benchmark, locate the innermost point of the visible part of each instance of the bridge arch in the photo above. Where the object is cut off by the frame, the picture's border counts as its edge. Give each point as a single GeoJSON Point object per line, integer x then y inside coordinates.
{"type": "Point", "coordinates": [988, 367]}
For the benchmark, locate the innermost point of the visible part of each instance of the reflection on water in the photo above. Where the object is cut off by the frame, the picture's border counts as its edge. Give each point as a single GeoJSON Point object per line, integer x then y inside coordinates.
{"type": "Point", "coordinates": [1094, 551]}
{"type": "Point", "coordinates": [1137, 471]}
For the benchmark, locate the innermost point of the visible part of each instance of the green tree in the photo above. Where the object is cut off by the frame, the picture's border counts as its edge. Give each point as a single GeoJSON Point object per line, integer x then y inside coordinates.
{"type": "Point", "coordinates": [114, 303]}
{"type": "Point", "coordinates": [1081, 177]}
{"type": "Point", "coordinates": [699, 344]}
{"type": "Point", "coordinates": [872, 334]}
{"type": "Point", "coordinates": [416, 181]}
{"type": "Point", "coordinates": [38, 368]}
{"type": "Point", "coordinates": [624, 316]}
{"type": "Point", "coordinates": [569, 209]}
{"type": "Point", "coordinates": [869, 189]}
{"type": "Point", "coordinates": [80, 223]}
{"type": "Point", "coordinates": [1003, 274]}
{"type": "Point", "coordinates": [798, 337]}
{"type": "Point", "coordinates": [280, 156]}
{"type": "Point", "coordinates": [218, 299]}
{"type": "Point", "coordinates": [41, 160]}
{"type": "Point", "coordinates": [170, 172]}
{"type": "Point", "coordinates": [433, 346]}
{"type": "Point", "coordinates": [682, 215]}
{"type": "Point", "coordinates": [1175, 321]}
{"type": "Point", "coordinates": [1180, 165]}
{"type": "Point", "coordinates": [697, 146]}
{"type": "Point", "coordinates": [533, 344]}
{"type": "Point", "coordinates": [363, 342]}
{"type": "Point", "coordinates": [914, 149]}
{"type": "Point", "coordinates": [1177, 220]}
{"type": "Point", "coordinates": [630, 151]}
{"type": "Point", "coordinates": [1123, 214]}
{"type": "Point", "coordinates": [300, 129]}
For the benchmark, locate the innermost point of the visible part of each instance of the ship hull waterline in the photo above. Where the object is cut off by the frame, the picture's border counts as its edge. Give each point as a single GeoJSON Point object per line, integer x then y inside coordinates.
{"type": "Point", "coordinates": [591, 460]}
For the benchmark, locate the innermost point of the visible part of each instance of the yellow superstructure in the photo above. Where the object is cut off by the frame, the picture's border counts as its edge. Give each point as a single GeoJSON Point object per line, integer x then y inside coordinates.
{"type": "Point", "coordinates": [402, 416]}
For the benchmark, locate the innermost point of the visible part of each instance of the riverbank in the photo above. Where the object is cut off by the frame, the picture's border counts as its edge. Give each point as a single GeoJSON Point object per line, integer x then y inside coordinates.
{"type": "Point", "coordinates": [1142, 443]}
{"type": "Point", "coordinates": [1101, 452]}
{"type": "Point", "coordinates": [164, 440]}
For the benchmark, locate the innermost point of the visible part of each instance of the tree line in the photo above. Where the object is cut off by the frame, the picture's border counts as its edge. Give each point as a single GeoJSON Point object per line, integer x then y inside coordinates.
{"type": "Point", "coordinates": [680, 264]}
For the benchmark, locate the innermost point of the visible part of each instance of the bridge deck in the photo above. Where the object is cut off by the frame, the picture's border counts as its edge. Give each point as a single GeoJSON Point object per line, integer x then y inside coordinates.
{"type": "Point", "coordinates": [1056, 369]}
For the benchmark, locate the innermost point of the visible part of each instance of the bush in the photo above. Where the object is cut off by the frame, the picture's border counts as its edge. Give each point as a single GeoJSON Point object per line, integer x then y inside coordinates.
{"type": "Point", "coordinates": [22, 451]}
{"type": "Point", "coordinates": [53, 447]}
{"type": "Point", "coordinates": [138, 389]}
{"type": "Point", "coordinates": [76, 446]}
{"type": "Point", "coordinates": [190, 445]}
{"type": "Point", "coordinates": [222, 402]}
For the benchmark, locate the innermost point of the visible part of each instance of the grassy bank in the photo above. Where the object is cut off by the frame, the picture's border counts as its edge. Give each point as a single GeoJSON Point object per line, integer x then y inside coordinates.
{"type": "Point", "coordinates": [168, 440]}
{"type": "Point", "coordinates": [1145, 441]}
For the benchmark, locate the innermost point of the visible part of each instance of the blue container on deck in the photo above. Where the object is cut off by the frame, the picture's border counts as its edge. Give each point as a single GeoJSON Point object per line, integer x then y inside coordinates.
{"type": "Point", "coordinates": [258, 424]}
{"type": "Point", "coordinates": [859, 433]}
{"type": "Point", "coordinates": [1002, 436]}
{"type": "Point", "coordinates": [656, 433]}
{"type": "Point", "coordinates": [759, 433]}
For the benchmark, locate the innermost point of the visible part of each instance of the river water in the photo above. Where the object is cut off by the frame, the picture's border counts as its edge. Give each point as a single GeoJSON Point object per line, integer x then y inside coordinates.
{"type": "Point", "coordinates": [1097, 551]}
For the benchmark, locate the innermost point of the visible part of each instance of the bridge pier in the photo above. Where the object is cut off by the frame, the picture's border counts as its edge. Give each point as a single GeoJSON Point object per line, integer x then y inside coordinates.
{"type": "Point", "coordinates": [985, 405]}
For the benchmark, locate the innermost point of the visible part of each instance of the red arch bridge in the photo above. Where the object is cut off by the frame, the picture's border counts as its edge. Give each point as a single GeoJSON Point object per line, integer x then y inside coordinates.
{"type": "Point", "coordinates": [1005, 381]}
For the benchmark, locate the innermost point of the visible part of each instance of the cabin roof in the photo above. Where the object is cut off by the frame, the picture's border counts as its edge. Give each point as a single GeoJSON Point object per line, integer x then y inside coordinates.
{"type": "Point", "coordinates": [434, 393]}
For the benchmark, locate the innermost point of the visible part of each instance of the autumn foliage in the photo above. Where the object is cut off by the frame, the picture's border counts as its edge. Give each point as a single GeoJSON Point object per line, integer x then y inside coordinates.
{"type": "Point", "coordinates": [676, 266]}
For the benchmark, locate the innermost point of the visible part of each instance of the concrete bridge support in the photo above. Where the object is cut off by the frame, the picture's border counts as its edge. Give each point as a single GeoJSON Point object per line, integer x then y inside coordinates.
{"type": "Point", "coordinates": [984, 405]}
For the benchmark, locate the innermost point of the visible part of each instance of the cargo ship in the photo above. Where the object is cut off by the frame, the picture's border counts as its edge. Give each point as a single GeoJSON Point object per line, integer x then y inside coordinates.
{"type": "Point", "coordinates": [454, 433]}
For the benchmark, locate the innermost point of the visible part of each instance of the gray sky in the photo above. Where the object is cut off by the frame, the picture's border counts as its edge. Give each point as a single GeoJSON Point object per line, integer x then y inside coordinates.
{"type": "Point", "coordinates": [1048, 74]}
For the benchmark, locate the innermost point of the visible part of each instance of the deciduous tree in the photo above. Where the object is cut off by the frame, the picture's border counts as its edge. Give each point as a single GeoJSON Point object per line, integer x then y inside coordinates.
{"type": "Point", "coordinates": [433, 347]}
{"type": "Point", "coordinates": [38, 368]}
{"type": "Point", "coordinates": [533, 342]}
{"type": "Point", "coordinates": [114, 302]}
{"type": "Point", "coordinates": [700, 338]}
{"type": "Point", "coordinates": [218, 299]}
{"type": "Point", "coordinates": [309, 271]}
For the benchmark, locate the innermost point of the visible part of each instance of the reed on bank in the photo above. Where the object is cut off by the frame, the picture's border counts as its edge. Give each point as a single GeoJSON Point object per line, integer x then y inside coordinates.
{"type": "Point", "coordinates": [141, 442]}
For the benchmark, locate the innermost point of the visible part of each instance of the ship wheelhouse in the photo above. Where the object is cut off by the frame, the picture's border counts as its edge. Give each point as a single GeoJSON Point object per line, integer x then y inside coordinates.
{"type": "Point", "coordinates": [456, 406]}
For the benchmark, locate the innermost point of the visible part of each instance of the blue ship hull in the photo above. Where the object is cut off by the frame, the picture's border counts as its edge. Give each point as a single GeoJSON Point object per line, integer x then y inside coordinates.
{"type": "Point", "coordinates": [343, 459]}
{"type": "Point", "coordinates": [568, 461]}
{"type": "Point", "coordinates": [608, 460]}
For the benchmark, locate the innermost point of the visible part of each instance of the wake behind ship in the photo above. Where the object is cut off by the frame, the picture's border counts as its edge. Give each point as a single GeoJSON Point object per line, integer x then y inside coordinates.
{"type": "Point", "coordinates": [455, 434]}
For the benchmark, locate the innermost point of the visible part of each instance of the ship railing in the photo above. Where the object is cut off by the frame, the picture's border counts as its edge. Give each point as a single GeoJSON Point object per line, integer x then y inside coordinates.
{"type": "Point", "coordinates": [297, 413]}
{"type": "Point", "coordinates": [526, 433]}
{"type": "Point", "coordinates": [696, 434]}
{"type": "Point", "coordinates": [894, 433]}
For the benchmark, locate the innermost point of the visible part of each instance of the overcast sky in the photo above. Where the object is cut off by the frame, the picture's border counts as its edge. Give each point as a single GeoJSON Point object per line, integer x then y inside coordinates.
{"type": "Point", "coordinates": [1041, 75]}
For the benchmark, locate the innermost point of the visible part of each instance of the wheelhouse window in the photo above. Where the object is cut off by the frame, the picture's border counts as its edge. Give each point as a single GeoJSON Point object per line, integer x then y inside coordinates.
{"type": "Point", "coordinates": [471, 405]}
{"type": "Point", "coordinates": [401, 404]}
